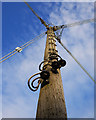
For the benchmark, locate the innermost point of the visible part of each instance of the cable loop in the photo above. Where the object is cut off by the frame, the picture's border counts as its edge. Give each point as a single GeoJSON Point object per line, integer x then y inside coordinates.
{"type": "Point", "coordinates": [44, 65]}
{"type": "Point", "coordinates": [44, 75]}
{"type": "Point", "coordinates": [31, 85]}
{"type": "Point", "coordinates": [34, 81]}
{"type": "Point", "coordinates": [41, 64]}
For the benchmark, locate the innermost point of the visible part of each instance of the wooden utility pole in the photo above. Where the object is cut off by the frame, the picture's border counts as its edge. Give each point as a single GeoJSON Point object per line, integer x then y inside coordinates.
{"type": "Point", "coordinates": [51, 103]}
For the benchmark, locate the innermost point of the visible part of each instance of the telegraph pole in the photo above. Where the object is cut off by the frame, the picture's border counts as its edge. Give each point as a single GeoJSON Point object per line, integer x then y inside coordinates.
{"type": "Point", "coordinates": [51, 103]}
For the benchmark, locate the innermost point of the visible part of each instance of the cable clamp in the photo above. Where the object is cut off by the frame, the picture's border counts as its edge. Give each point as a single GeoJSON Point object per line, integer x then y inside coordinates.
{"type": "Point", "coordinates": [18, 49]}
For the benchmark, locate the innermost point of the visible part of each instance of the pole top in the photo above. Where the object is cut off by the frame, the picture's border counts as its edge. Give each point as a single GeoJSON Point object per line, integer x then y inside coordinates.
{"type": "Point", "coordinates": [54, 28]}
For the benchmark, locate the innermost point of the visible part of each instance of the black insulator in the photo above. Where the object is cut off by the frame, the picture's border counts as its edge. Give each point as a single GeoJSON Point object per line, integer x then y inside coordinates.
{"type": "Point", "coordinates": [55, 65]}
{"type": "Point", "coordinates": [44, 74]}
{"type": "Point", "coordinates": [62, 63]}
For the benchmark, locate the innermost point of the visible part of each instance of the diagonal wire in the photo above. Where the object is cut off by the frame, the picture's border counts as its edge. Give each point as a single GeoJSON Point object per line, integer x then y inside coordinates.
{"type": "Point", "coordinates": [34, 39]}
{"type": "Point", "coordinates": [78, 62]}
{"type": "Point", "coordinates": [22, 47]}
{"type": "Point", "coordinates": [42, 21]}
{"type": "Point", "coordinates": [41, 35]}
{"type": "Point", "coordinates": [8, 56]}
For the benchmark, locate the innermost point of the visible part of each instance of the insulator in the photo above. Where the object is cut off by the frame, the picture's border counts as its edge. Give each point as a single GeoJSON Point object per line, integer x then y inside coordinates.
{"type": "Point", "coordinates": [62, 63]}
{"type": "Point", "coordinates": [55, 65]}
{"type": "Point", "coordinates": [44, 74]}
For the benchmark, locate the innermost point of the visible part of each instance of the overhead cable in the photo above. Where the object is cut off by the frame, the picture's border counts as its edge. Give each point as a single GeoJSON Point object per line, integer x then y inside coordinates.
{"type": "Point", "coordinates": [78, 23]}
{"type": "Point", "coordinates": [7, 55]}
{"type": "Point", "coordinates": [22, 47]}
{"type": "Point", "coordinates": [31, 41]}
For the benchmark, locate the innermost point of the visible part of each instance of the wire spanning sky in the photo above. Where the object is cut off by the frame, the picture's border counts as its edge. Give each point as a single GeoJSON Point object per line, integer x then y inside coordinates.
{"type": "Point", "coordinates": [19, 25]}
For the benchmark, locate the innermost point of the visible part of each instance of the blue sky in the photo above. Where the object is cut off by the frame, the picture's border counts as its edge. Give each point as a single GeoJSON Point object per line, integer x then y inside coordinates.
{"type": "Point", "coordinates": [20, 26]}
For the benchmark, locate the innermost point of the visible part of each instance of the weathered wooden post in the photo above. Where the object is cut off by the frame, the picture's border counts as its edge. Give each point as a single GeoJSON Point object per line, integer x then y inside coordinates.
{"type": "Point", "coordinates": [51, 103]}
